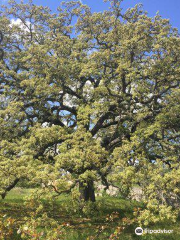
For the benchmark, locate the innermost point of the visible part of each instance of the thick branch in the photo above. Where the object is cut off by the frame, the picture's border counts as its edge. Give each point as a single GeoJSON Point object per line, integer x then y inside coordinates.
{"type": "Point", "coordinates": [10, 187]}
{"type": "Point", "coordinates": [101, 120]}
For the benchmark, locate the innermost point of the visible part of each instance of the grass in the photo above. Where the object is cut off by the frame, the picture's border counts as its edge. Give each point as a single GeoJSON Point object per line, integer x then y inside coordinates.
{"type": "Point", "coordinates": [84, 225]}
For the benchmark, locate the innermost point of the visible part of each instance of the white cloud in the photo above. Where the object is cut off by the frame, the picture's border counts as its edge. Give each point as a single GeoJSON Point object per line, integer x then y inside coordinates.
{"type": "Point", "coordinates": [24, 26]}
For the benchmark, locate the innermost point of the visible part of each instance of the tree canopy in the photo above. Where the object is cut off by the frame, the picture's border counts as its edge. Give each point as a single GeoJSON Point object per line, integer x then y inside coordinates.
{"type": "Point", "coordinates": [91, 97]}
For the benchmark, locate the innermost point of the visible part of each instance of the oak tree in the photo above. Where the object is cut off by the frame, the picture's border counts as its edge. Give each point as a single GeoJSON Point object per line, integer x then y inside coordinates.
{"type": "Point", "coordinates": [90, 97]}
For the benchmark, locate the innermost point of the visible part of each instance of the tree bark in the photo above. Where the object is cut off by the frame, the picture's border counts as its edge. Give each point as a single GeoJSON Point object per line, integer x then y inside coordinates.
{"type": "Point", "coordinates": [87, 192]}
{"type": "Point", "coordinates": [11, 186]}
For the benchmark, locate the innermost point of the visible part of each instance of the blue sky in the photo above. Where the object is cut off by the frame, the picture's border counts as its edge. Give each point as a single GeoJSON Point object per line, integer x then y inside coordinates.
{"type": "Point", "coordinates": [168, 8]}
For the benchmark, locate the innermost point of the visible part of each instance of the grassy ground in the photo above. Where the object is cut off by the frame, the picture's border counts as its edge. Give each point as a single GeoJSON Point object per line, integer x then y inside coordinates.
{"type": "Point", "coordinates": [84, 225]}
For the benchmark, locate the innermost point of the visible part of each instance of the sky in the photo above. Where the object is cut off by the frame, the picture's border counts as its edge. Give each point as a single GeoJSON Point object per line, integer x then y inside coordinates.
{"type": "Point", "coordinates": [167, 8]}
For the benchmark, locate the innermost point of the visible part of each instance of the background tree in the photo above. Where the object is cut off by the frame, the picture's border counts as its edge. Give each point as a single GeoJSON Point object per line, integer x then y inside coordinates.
{"type": "Point", "coordinates": [90, 97]}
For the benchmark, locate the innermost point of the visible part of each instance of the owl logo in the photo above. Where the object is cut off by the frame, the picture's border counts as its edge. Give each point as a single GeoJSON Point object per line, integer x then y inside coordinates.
{"type": "Point", "coordinates": [139, 231]}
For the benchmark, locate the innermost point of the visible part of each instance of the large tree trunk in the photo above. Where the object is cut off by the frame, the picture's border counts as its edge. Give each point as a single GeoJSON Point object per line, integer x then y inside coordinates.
{"type": "Point", "coordinates": [87, 192]}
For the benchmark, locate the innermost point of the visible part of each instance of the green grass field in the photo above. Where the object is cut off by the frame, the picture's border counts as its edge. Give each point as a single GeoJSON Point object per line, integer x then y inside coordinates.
{"type": "Point", "coordinates": [81, 226]}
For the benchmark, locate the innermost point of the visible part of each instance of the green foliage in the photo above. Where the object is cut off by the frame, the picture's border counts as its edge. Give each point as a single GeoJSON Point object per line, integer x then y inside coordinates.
{"type": "Point", "coordinates": [90, 97]}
